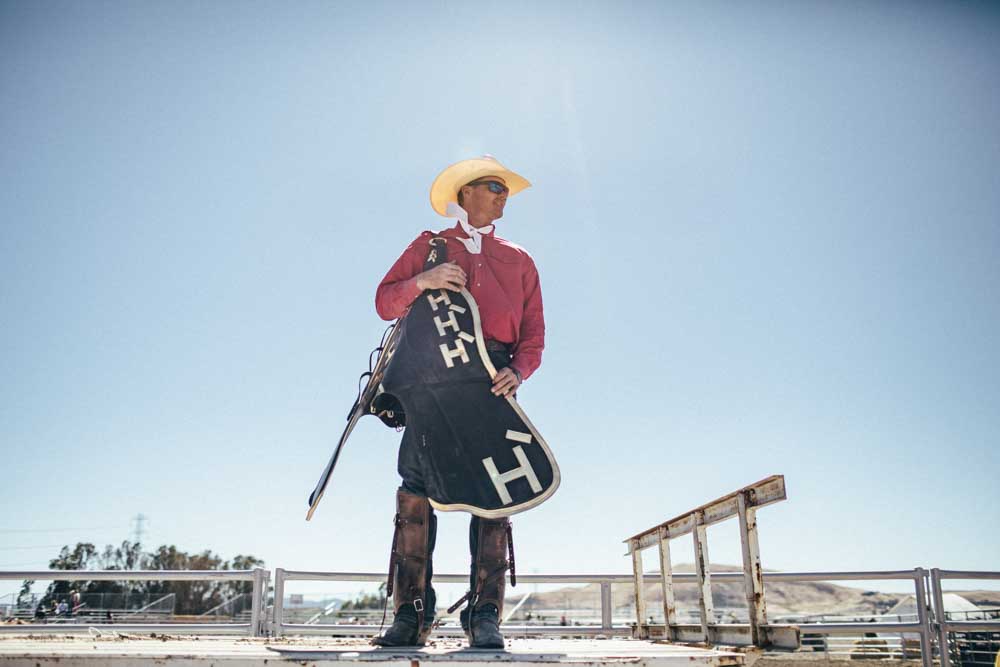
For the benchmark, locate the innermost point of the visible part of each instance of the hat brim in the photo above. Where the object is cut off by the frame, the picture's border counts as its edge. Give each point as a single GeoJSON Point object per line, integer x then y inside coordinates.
{"type": "Point", "coordinates": [445, 187]}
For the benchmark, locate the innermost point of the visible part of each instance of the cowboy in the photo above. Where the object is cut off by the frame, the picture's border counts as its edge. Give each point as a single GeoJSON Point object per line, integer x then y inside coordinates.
{"type": "Point", "coordinates": [502, 278]}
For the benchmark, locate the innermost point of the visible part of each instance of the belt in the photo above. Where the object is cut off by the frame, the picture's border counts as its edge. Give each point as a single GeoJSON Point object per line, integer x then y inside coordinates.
{"type": "Point", "coordinates": [497, 346]}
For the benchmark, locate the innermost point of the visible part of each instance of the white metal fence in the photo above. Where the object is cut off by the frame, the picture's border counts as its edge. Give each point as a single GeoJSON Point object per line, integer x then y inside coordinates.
{"type": "Point", "coordinates": [606, 627]}
{"type": "Point", "coordinates": [931, 620]}
{"type": "Point", "coordinates": [931, 627]}
{"type": "Point", "coordinates": [256, 626]}
{"type": "Point", "coordinates": [951, 634]}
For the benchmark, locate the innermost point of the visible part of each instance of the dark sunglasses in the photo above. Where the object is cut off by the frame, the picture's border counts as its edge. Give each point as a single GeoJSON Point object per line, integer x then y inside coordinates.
{"type": "Point", "coordinates": [495, 188]}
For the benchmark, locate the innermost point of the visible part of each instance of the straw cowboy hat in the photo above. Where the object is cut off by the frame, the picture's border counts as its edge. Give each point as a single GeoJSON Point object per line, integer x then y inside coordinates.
{"type": "Point", "coordinates": [445, 187]}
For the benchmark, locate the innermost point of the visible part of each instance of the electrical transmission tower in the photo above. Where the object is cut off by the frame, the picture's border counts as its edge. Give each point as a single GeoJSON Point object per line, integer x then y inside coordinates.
{"type": "Point", "coordinates": [139, 530]}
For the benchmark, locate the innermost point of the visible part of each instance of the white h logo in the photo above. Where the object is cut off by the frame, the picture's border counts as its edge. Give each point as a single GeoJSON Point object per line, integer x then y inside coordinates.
{"type": "Point", "coordinates": [449, 355]}
{"type": "Point", "coordinates": [459, 351]}
{"type": "Point", "coordinates": [436, 300]}
{"type": "Point", "coordinates": [524, 469]}
{"type": "Point", "coordinates": [450, 322]}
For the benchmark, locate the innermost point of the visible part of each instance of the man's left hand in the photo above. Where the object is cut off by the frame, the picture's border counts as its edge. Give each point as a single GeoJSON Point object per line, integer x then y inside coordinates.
{"type": "Point", "coordinates": [505, 382]}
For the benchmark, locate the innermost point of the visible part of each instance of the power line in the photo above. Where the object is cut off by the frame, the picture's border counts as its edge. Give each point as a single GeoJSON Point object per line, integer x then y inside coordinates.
{"type": "Point", "coordinates": [54, 530]}
{"type": "Point", "coordinates": [31, 563]}
{"type": "Point", "coordinates": [40, 546]}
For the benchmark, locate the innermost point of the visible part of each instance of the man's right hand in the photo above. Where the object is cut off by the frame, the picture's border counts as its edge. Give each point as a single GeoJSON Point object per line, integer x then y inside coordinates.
{"type": "Point", "coordinates": [444, 276]}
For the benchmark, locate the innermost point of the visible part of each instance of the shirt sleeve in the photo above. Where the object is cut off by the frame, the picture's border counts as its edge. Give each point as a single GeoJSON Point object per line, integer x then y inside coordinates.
{"type": "Point", "coordinates": [399, 288]}
{"type": "Point", "coordinates": [531, 340]}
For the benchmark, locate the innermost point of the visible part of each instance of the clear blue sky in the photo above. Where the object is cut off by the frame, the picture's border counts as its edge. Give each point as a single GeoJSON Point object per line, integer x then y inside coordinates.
{"type": "Point", "coordinates": [768, 236]}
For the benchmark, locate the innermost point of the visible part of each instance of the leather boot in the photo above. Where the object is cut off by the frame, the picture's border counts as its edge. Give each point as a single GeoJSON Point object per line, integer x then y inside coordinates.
{"type": "Point", "coordinates": [410, 571]}
{"type": "Point", "coordinates": [489, 541]}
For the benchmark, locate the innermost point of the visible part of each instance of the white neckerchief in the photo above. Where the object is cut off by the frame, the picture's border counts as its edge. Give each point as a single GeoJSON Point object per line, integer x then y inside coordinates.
{"type": "Point", "coordinates": [474, 244]}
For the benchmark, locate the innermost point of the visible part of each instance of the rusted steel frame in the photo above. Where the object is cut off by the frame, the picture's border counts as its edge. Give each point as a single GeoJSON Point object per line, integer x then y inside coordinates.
{"type": "Point", "coordinates": [667, 582]}
{"type": "Point", "coordinates": [766, 491]}
{"type": "Point", "coordinates": [641, 624]}
{"type": "Point", "coordinates": [701, 568]}
{"type": "Point", "coordinates": [753, 573]}
{"type": "Point", "coordinates": [732, 634]}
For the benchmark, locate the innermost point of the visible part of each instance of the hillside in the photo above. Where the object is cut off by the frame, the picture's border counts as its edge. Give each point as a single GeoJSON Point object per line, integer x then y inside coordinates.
{"type": "Point", "coordinates": [782, 598]}
{"type": "Point", "coordinates": [987, 599]}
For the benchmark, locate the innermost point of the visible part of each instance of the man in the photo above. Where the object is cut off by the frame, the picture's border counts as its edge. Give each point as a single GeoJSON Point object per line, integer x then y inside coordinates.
{"type": "Point", "coordinates": [503, 279]}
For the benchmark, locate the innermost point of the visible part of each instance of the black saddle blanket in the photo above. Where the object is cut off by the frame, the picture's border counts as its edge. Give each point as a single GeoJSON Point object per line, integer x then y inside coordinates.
{"type": "Point", "coordinates": [480, 453]}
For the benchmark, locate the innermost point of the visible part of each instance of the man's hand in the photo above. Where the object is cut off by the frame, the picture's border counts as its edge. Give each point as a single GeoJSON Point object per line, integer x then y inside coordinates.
{"type": "Point", "coordinates": [444, 276]}
{"type": "Point", "coordinates": [505, 382]}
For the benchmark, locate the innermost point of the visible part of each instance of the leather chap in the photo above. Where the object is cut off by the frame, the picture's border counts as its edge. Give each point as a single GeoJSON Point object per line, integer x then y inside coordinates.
{"type": "Point", "coordinates": [411, 548]}
{"type": "Point", "coordinates": [490, 564]}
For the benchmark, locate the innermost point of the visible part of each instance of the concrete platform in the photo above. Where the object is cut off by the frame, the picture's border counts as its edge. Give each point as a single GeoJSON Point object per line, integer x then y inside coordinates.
{"type": "Point", "coordinates": [124, 650]}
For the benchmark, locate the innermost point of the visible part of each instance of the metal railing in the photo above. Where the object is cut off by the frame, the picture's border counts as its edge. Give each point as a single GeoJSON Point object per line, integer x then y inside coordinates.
{"type": "Point", "coordinates": [120, 603]}
{"type": "Point", "coordinates": [742, 505]}
{"type": "Point", "coordinates": [873, 642]}
{"type": "Point", "coordinates": [921, 627]}
{"type": "Point", "coordinates": [258, 618]}
{"type": "Point", "coordinates": [788, 635]}
{"type": "Point", "coordinates": [5, 607]}
{"type": "Point", "coordinates": [931, 621]}
{"type": "Point", "coordinates": [606, 628]}
{"type": "Point", "coordinates": [160, 601]}
{"type": "Point", "coordinates": [233, 606]}
{"type": "Point", "coordinates": [945, 626]}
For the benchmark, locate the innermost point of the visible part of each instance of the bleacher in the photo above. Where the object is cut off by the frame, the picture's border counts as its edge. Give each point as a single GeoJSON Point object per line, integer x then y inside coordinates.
{"type": "Point", "coordinates": [87, 615]}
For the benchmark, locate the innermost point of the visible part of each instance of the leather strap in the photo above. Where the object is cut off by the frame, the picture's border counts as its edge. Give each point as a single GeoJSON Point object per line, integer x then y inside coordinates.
{"type": "Point", "coordinates": [410, 553]}
{"type": "Point", "coordinates": [390, 584]}
{"type": "Point", "coordinates": [510, 552]}
{"type": "Point", "coordinates": [490, 571]}
{"type": "Point", "coordinates": [438, 254]}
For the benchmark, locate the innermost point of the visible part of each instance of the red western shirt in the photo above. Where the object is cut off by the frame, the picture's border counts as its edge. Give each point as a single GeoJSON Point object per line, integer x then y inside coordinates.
{"type": "Point", "coordinates": [503, 279]}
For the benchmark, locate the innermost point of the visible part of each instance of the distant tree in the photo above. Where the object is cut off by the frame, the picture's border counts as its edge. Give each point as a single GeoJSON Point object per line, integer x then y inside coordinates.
{"type": "Point", "coordinates": [367, 600]}
{"type": "Point", "coordinates": [196, 597]}
{"type": "Point", "coordinates": [24, 597]}
{"type": "Point", "coordinates": [243, 563]}
{"type": "Point", "coordinates": [84, 556]}
{"type": "Point", "coordinates": [191, 597]}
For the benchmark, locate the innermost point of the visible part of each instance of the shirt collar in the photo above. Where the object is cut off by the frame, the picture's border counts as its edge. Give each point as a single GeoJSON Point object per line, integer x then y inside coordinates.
{"type": "Point", "coordinates": [490, 234]}
{"type": "Point", "coordinates": [474, 244]}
